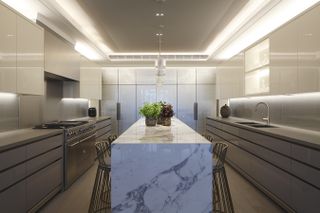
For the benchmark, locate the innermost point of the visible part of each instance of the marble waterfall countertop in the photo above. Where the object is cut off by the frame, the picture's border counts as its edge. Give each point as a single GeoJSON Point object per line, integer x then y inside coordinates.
{"type": "Point", "coordinates": [177, 133]}
{"type": "Point", "coordinates": [160, 170]}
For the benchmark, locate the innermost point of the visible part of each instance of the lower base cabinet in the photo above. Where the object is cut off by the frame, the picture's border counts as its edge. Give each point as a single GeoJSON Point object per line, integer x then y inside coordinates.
{"type": "Point", "coordinates": [280, 182]}
{"type": "Point", "coordinates": [42, 183]}
{"type": "Point", "coordinates": [14, 198]}
{"type": "Point", "coordinates": [31, 175]}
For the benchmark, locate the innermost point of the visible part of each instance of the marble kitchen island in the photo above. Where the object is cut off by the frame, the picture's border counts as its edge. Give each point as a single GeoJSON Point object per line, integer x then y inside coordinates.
{"type": "Point", "coordinates": [161, 170]}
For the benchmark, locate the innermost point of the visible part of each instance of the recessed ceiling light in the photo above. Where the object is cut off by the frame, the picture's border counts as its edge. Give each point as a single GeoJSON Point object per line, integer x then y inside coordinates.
{"type": "Point", "coordinates": [159, 14]}
{"type": "Point", "coordinates": [159, 34]}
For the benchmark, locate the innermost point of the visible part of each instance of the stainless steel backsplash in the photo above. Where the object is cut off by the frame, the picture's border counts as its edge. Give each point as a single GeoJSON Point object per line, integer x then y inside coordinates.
{"type": "Point", "coordinates": [301, 111]}
{"type": "Point", "coordinates": [9, 112]}
{"type": "Point", "coordinates": [27, 111]}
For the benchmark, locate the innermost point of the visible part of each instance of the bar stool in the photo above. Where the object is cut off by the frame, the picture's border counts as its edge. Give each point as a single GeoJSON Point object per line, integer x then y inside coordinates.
{"type": "Point", "coordinates": [110, 139]}
{"type": "Point", "coordinates": [101, 196]}
{"type": "Point", "coordinates": [222, 201]}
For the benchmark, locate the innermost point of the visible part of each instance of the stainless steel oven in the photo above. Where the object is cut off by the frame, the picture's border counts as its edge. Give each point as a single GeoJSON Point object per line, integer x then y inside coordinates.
{"type": "Point", "coordinates": [79, 148]}
{"type": "Point", "coordinates": [80, 153]}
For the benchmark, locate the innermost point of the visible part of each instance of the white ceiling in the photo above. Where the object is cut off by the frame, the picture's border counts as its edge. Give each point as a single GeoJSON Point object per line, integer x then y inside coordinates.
{"type": "Point", "coordinates": [131, 25]}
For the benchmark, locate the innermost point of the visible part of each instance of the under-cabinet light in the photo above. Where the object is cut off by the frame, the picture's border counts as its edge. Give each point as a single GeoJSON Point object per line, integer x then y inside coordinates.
{"type": "Point", "coordinates": [7, 95]}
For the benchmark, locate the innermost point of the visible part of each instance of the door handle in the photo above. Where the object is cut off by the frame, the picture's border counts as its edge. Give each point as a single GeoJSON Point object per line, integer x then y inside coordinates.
{"type": "Point", "coordinates": [195, 111]}
{"type": "Point", "coordinates": [118, 111]}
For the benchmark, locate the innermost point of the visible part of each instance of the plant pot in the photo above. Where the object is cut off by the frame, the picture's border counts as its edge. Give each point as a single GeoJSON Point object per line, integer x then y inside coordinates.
{"type": "Point", "coordinates": [160, 120]}
{"type": "Point", "coordinates": [151, 121]}
{"type": "Point", "coordinates": [225, 111]}
{"type": "Point", "coordinates": [166, 122]}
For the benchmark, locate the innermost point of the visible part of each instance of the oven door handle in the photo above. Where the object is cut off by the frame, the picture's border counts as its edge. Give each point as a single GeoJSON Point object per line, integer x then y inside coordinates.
{"type": "Point", "coordinates": [82, 140]}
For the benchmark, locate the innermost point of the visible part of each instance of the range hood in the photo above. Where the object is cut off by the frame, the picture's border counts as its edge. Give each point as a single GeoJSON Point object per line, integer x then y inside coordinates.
{"type": "Point", "coordinates": [54, 77]}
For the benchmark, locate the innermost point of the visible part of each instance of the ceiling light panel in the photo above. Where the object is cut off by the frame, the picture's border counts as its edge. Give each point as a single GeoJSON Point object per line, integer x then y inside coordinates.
{"type": "Point", "coordinates": [87, 51]}
{"type": "Point", "coordinates": [281, 13]}
{"type": "Point", "coordinates": [75, 14]}
{"type": "Point", "coordinates": [27, 8]}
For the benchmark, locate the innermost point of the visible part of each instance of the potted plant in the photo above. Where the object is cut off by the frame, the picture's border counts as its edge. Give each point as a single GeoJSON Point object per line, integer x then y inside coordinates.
{"type": "Point", "coordinates": [160, 118]}
{"type": "Point", "coordinates": [166, 114]}
{"type": "Point", "coordinates": [151, 112]}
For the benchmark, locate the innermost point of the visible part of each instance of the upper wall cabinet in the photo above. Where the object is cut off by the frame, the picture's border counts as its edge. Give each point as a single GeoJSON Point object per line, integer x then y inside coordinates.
{"type": "Point", "coordinates": [8, 52]}
{"type": "Point", "coordinates": [309, 51]}
{"type": "Point", "coordinates": [257, 70]}
{"type": "Point", "coordinates": [230, 78]}
{"type": "Point", "coordinates": [283, 60]}
{"type": "Point", "coordinates": [90, 80]}
{"type": "Point", "coordinates": [30, 58]}
{"type": "Point", "coordinates": [60, 57]}
{"type": "Point", "coordinates": [21, 54]}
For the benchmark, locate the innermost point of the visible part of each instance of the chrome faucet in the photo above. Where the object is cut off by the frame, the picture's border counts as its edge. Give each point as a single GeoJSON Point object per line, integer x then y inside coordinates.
{"type": "Point", "coordinates": [267, 119]}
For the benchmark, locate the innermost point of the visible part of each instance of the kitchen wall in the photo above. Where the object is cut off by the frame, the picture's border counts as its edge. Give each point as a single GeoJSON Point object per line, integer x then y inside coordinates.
{"type": "Point", "coordinates": [27, 111]}
{"type": "Point", "coordinates": [301, 110]}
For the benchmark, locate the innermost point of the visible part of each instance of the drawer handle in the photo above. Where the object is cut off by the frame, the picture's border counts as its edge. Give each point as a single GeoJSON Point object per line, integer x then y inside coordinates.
{"type": "Point", "coordinates": [85, 139]}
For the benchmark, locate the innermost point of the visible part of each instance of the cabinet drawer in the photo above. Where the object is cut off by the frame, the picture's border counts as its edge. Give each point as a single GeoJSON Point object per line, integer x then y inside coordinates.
{"type": "Point", "coordinates": [14, 198]}
{"type": "Point", "coordinates": [104, 131]}
{"type": "Point", "coordinates": [305, 198]}
{"type": "Point", "coordinates": [103, 123]}
{"type": "Point", "coordinates": [12, 175]}
{"type": "Point", "coordinates": [43, 182]}
{"type": "Point", "coordinates": [306, 173]}
{"type": "Point", "coordinates": [306, 155]}
{"type": "Point", "coordinates": [44, 145]}
{"type": "Point", "coordinates": [44, 160]}
{"type": "Point", "coordinates": [266, 141]}
{"type": "Point", "coordinates": [11, 157]}
{"type": "Point", "coordinates": [268, 155]}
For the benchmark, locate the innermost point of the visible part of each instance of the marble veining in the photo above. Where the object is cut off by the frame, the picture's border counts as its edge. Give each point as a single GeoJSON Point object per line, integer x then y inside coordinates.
{"type": "Point", "coordinates": [158, 176]}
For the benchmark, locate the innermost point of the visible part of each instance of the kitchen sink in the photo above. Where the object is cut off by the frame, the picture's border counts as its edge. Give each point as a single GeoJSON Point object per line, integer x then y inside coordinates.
{"type": "Point", "coordinates": [247, 122]}
{"type": "Point", "coordinates": [255, 124]}
{"type": "Point", "coordinates": [262, 126]}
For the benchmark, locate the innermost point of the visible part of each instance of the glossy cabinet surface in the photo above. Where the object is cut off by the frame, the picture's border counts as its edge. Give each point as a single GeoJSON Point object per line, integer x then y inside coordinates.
{"type": "Point", "coordinates": [230, 78]}
{"type": "Point", "coordinates": [284, 60]}
{"type": "Point", "coordinates": [61, 58]}
{"type": "Point", "coordinates": [90, 80]}
{"type": "Point", "coordinates": [22, 59]}
{"type": "Point", "coordinates": [8, 61]}
{"type": "Point", "coordinates": [308, 51]}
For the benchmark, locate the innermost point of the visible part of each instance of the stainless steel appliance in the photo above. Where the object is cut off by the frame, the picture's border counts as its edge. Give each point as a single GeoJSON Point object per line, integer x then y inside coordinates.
{"type": "Point", "coordinates": [79, 149]}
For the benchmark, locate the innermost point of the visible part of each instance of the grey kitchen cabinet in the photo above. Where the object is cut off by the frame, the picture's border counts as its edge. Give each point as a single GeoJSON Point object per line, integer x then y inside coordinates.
{"type": "Point", "coordinates": [14, 198]}
{"type": "Point", "coordinates": [284, 60]}
{"type": "Point", "coordinates": [308, 48]}
{"type": "Point", "coordinates": [8, 47]}
{"type": "Point", "coordinates": [42, 183]}
{"type": "Point", "coordinates": [31, 174]}
{"type": "Point", "coordinates": [103, 128]}
{"type": "Point", "coordinates": [61, 58]}
{"type": "Point", "coordinates": [30, 57]}
{"type": "Point", "coordinates": [287, 172]}
{"type": "Point", "coordinates": [22, 54]}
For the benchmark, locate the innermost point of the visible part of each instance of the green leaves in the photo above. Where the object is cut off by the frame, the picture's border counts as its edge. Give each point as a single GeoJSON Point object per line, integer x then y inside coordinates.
{"type": "Point", "coordinates": [150, 110]}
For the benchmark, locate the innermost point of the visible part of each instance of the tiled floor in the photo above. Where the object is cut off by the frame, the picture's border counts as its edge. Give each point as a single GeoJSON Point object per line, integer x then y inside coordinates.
{"type": "Point", "coordinates": [246, 198]}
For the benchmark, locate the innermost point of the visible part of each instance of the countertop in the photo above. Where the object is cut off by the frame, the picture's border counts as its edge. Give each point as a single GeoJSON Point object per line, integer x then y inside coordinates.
{"type": "Point", "coordinates": [299, 136]}
{"type": "Point", "coordinates": [95, 119]}
{"type": "Point", "coordinates": [177, 133]}
{"type": "Point", "coordinates": [14, 138]}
